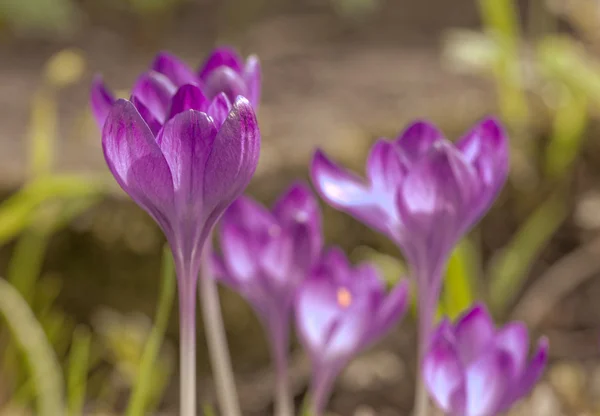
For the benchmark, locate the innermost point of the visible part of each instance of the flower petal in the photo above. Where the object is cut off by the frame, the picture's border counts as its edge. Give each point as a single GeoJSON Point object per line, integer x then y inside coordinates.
{"type": "Point", "coordinates": [137, 162]}
{"type": "Point", "coordinates": [187, 141]}
{"type": "Point", "coordinates": [436, 196]}
{"type": "Point", "coordinates": [474, 333]}
{"type": "Point", "coordinates": [155, 91]}
{"type": "Point", "coordinates": [485, 147]}
{"type": "Point", "coordinates": [392, 308]}
{"type": "Point", "coordinates": [345, 191]}
{"type": "Point", "coordinates": [225, 80]}
{"type": "Point", "coordinates": [233, 159]}
{"type": "Point", "coordinates": [101, 100]}
{"type": "Point", "coordinates": [219, 109]}
{"type": "Point", "coordinates": [173, 68]}
{"type": "Point", "coordinates": [513, 339]}
{"type": "Point", "coordinates": [316, 312]}
{"type": "Point", "coordinates": [384, 166]}
{"type": "Point", "coordinates": [487, 380]}
{"type": "Point", "coordinates": [150, 120]}
{"type": "Point", "coordinates": [223, 56]}
{"type": "Point", "coordinates": [297, 205]}
{"type": "Point", "coordinates": [188, 97]}
{"type": "Point", "coordinates": [416, 141]}
{"type": "Point", "coordinates": [443, 373]}
{"type": "Point", "coordinates": [251, 215]}
{"type": "Point", "coordinates": [252, 78]}
{"type": "Point", "coordinates": [238, 253]}
{"type": "Point", "coordinates": [385, 170]}
{"type": "Point", "coordinates": [530, 375]}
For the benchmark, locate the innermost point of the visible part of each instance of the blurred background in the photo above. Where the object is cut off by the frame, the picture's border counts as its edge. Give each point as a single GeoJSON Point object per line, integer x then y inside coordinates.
{"type": "Point", "coordinates": [83, 265]}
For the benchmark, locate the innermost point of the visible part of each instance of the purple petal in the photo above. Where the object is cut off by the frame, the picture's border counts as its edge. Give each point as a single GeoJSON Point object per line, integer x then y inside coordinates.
{"type": "Point", "coordinates": [188, 97]}
{"type": "Point", "coordinates": [186, 141]}
{"type": "Point", "coordinates": [347, 192]}
{"type": "Point", "coordinates": [238, 253]}
{"type": "Point", "coordinates": [513, 339]}
{"type": "Point", "coordinates": [150, 120]}
{"type": "Point", "coordinates": [438, 191]}
{"type": "Point", "coordinates": [252, 78]}
{"type": "Point", "coordinates": [366, 279]}
{"type": "Point", "coordinates": [101, 101]}
{"type": "Point", "coordinates": [223, 56]}
{"type": "Point", "coordinates": [233, 159]}
{"type": "Point", "coordinates": [530, 375]}
{"type": "Point", "coordinates": [351, 330]}
{"type": "Point", "coordinates": [276, 259]}
{"type": "Point", "coordinates": [384, 167]}
{"type": "Point", "coordinates": [219, 109]}
{"type": "Point", "coordinates": [487, 380]}
{"type": "Point", "coordinates": [316, 311]}
{"type": "Point", "coordinates": [297, 205]}
{"type": "Point", "coordinates": [250, 215]}
{"type": "Point", "coordinates": [155, 91]}
{"type": "Point", "coordinates": [485, 147]}
{"type": "Point", "coordinates": [137, 162]}
{"type": "Point", "coordinates": [393, 307]}
{"type": "Point", "coordinates": [335, 266]}
{"type": "Point", "coordinates": [416, 141]}
{"type": "Point", "coordinates": [307, 242]}
{"type": "Point", "coordinates": [174, 69]}
{"type": "Point", "coordinates": [225, 80]}
{"type": "Point", "coordinates": [474, 333]}
{"type": "Point", "coordinates": [443, 373]}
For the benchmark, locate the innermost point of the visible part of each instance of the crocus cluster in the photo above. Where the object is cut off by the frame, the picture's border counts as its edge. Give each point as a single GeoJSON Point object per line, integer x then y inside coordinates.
{"type": "Point", "coordinates": [185, 146]}
{"type": "Point", "coordinates": [473, 369]}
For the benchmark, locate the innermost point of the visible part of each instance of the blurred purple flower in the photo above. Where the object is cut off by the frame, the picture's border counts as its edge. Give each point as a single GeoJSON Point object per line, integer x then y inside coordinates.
{"type": "Point", "coordinates": [424, 193]}
{"type": "Point", "coordinates": [340, 311]}
{"type": "Point", "coordinates": [472, 369]}
{"type": "Point", "coordinates": [268, 254]}
{"type": "Point", "coordinates": [224, 71]}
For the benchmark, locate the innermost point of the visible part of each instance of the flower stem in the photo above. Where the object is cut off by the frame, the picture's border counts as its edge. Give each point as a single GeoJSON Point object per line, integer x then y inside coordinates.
{"type": "Point", "coordinates": [279, 333]}
{"type": "Point", "coordinates": [429, 293]}
{"type": "Point", "coordinates": [421, 397]}
{"type": "Point", "coordinates": [321, 388]}
{"type": "Point", "coordinates": [187, 344]}
{"type": "Point", "coordinates": [217, 341]}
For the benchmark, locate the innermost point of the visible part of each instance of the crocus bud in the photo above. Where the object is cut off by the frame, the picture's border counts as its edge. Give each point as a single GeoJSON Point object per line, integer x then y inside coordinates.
{"type": "Point", "coordinates": [224, 71]}
{"type": "Point", "coordinates": [341, 310]}
{"type": "Point", "coordinates": [268, 254]}
{"type": "Point", "coordinates": [474, 369]}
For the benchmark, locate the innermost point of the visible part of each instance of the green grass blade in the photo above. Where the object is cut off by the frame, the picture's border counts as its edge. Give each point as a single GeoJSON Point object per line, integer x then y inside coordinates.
{"type": "Point", "coordinates": [78, 370]}
{"type": "Point", "coordinates": [45, 369]}
{"type": "Point", "coordinates": [459, 292]}
{"type": "Point", "coordinates": [508, 270]}
{"type": "Point", "coordinates": [143, 386]}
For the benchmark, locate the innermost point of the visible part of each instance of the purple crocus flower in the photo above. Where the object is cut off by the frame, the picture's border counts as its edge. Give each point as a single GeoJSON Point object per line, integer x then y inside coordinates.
{"type": "Point", "coordinates": [224, 71]}
{"type": "Point", "coordinates": [266, 256]}
{"type": "Point", "coordinates": [424, 193]}
{"type": "Point", "coordinates": [341, 310]}
{"type": "Point", "coordinates": [184, 171]}
{"type": "Point", "coordinates": [472, 369]}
